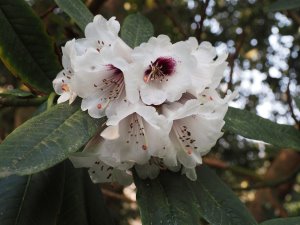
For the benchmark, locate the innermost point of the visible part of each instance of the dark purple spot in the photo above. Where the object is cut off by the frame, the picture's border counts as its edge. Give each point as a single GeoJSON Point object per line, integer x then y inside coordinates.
{"type": "Point", "coordinates": [160, 69]}
{"type": "Point", "coordinates": [115, 70]}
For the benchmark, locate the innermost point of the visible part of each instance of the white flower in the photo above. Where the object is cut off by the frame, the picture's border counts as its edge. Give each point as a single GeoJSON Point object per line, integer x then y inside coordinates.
{"type": "Point", "coordinates": [62, 82]}
{"type": "Point", "coordinates": [135, 133]}
{"type": "Point", "coordinates": [160, 100]}
{"type": "Point", "coordinates": [160, 71]}
{"type": "Point", "coordinates": [99, 69]}
{"type": "Point", "coordinates": [196, 127]}
{"type": "Point", "coordinates": [101, 170]}
{"type": "Point", "coordinates": [99, 78]}
{"type": "Point", "coordinates": [210, 67]}
{"type": "Point", "coordinates": [101, 32]}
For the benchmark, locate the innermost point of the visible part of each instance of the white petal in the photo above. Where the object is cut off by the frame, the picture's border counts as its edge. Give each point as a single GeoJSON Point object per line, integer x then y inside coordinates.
{"type": "Point", "coordinates": [111, 133]}
{"type": "Point", "coordinates": [131, 80]}
{"type": "Point", "coordinates": [190, 173]}
{"type": "Point", "coordinates": [103, 30]}
{"type": "Point", "coordinates": [64, 97]}
{"type": "Point", "coordinates": [189, 160]}
{"type": "Point", "coordinates": [102, 173]}
{"type": "Point", "coordinates": [167, 87]}
{"type": "Point", "coordinates": [72, 98]}
{"type": "Point", "coordinates": [153, 95]}
{"type": "Point", "coordinates": [205, 52]}
{"type": "Point", "coordinates": [175, 111]}
{"type": "Point", "coordinates": [59, 81]}
{"type": "Point", "coordinates": [95, 106]}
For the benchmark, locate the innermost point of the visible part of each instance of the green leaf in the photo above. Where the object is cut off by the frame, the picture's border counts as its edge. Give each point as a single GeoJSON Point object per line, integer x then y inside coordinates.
{"type": "Point", "coordinates": [25, 48]}
{"type": "Point", "coordinates": [284, 5]}
{"type": "Point", "coordinates": [83, 203]}
{"type": "Point", "coordinates": [174, 199]}
{"type": "Point", "coordinates": [46, 139]}
{"type": "Point", "coordinates": [77, 10]}
{"type": "Point", "coordinates": [61, 195]}
{"type": "Point", "coordinates": [136, 29]}
{"type": "Point", "coordinates": [33, 200]}
{"type": "Point", "coordinates": [16, 93]}
{"type": "Point", "coordinates": [283, 221]}
{"type": "Point", "coordinates": [251, 126]}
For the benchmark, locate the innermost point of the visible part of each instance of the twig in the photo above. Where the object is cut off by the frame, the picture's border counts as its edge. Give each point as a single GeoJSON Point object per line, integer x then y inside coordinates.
{"type": "Point", "coordinates": [269, 183]}
{"type": "Point", "coordinates": [203, 17]}
{"type": "Point", "coordinates": [13, 101]}
{"type": "Point", "coordinates": [48, 11]}
{"type": "Point", "coordinates": [290, 104]}
{"type": "Point", "coordinates": [115, 195]}
{"type": "Point", "coordinates": [172, 18]}
{"type": "Point", "coordinates": [236, 169]}
{"type": "Point", "coordinates": [232, 57]}
{"type": "Point", "coordinates": [278, 208]}
{"type": "Point", "coordinates": [294, 16]}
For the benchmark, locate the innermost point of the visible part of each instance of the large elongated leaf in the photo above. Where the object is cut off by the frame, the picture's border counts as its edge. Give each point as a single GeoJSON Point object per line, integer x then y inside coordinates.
{"type": "Point", "coordinates": [284, 5]}
{"type": "Point", "coordinates": [255, 127]}
{"type": "Point", "coordinates": [32, 200]}
{"type": "Point", "coordinates": [283, 221]}
{"type": "Point", "coordinates": [46, 139]}
{"type": "Point", "coordinates": [25, 47]}
{"type": "Point", "coordinates": [61, 195]}
{"type": "Point", "coordinates": [83, 203]}
{"type": "Point", "coordinates": [136, 29]}
{"type": "Point", "coordinates": [174, 199]}
{"type": "Point", "coordinates": [77, 10]}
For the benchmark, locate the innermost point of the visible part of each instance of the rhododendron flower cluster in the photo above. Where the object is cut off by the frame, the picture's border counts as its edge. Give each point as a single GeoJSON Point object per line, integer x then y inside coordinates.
{"type": "Point", "coordinates": [160, 100]}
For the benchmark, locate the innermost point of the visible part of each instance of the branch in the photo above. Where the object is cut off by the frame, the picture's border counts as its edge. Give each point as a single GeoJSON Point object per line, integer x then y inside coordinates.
{"type": "Point", "coordinates": [48, 11]}
{"type": "Point", "coordinates": [294, 16]}
{"type": "Point", "coordinates": [290, 104]}
{"type": "Point", "coordinates": [13, 101]}
{"type": "Point", "coordinates": [203, 17]}
{"type": "Point", "coordinates": [232, 57]}
{"type": "Point", "coordinates": [235, 169]}
{"type": "Point", "coordinates": [286, 163]}
{"type": "Point", "coordinates": [270, 183]}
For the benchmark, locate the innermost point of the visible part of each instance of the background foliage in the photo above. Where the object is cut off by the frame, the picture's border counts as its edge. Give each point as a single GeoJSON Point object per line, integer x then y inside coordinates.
{"type": "Point", "coordinates": [262, 38]}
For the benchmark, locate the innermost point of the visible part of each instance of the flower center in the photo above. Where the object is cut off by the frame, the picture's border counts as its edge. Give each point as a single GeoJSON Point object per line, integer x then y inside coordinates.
{"type": "Point", "coordinates": [160, 69]}
{"type": "Point", "coordinates": [114, 70]}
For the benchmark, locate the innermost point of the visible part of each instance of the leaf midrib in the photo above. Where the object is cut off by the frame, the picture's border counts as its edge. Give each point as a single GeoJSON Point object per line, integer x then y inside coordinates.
{"type": "Point", "coordinates": [23, 199]}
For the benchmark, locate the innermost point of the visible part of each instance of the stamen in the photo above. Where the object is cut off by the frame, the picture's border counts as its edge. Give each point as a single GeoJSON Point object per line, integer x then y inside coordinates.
{"type": "Point", "coordinates": [110, 87]}
{"type": "Point", "coordinates": [160, 69]}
